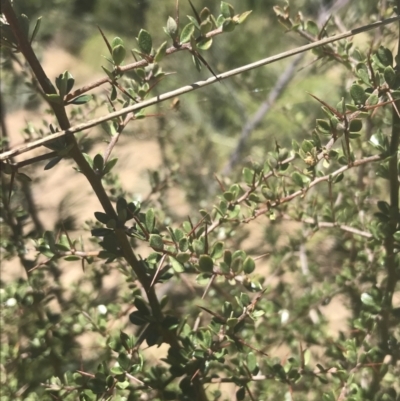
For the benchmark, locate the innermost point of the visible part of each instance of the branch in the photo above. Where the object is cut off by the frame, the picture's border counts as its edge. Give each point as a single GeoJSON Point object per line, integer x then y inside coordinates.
{"type": "Point", "coordinates": [192, 87]}
{"type": "Point", "coordinates": [394, 222]}
{"type": "Point", "coordinates": [329, 224]}
{"type": "Point", "coordinates": [318, 180]}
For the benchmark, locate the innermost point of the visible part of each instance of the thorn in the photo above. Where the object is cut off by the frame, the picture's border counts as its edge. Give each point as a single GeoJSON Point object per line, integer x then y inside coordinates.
{"type": "Point", "coordinates": [105, 40]}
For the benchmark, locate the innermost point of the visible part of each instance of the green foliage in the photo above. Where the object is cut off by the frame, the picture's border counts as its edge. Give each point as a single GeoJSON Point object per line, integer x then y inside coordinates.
{"type": "Point", "coordinates": [233, 297]}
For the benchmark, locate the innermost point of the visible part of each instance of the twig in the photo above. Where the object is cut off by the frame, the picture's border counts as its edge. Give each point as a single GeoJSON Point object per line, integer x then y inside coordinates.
{"type": "Point", "coordinates": [115, 138]}
{"type": "Point", "coordinates": [328, 224]}
{"type": "Point", "coordinates": [328, 177]}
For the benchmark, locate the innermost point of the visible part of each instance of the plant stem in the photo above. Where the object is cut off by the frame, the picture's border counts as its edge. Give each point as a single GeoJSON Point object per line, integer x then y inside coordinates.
{"type": "Point", "coordinates": [389, 243]}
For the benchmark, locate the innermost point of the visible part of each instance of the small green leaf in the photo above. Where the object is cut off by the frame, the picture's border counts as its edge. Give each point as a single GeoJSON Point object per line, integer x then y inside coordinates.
{"type": "Point", "coordinates": [98, 163]}
{"type": "Point", "coordinates": [362, 73]}
{"type": "Point", "coordinates": [122, 210]}
{"type": "Point", "coordinates": [145, 42]}
{"type": "Point", "coordinates": [141, 306]}
{"type": "Point", "coordinates": [228, 257]}
{"type": "Point", "coordinates": [240, 394]}
{"type": "Point", "coordinates": [217, 250]}
{"type": "Point", "coordinates": [307, 146]}
{"type": "Point", "coordinates": [358, 94]}
{"type": "Point", "coordinates": [117, 41]}
{"type": "Point", "coordinates": [312, 28]}
{"type": "Point", "coordinates": [61, 84]}
{"type": "Point", "coordinates": [183, 244]}
{"type": "Point", "coordinates": [52, 162]}
{"type": "Point", "coordinates": [156, 242]}
{"type": "Point", "coordinates": [205, 44]}
{"type": "Point", "coordinates": [101, 217]}
{"type": "Point", "coordinates": [88, 159]}
{"type": "Point", "coordinates": [355, 125]}
{"type": "Point", "coordinates": [297, 178]}
{"type": "Point", "coordinates": [338, 178]}
{"type": "Point", "coordinates": [23, 177]}
{"type": "Point", "coordinates": [24, 25]}
{"type": "Point", "coordinates": [150, 220]}
{"type": "Point", "coordinates": [390, 77]}
{"type": "Point", "coordinates": [384, 207]}
{"type": "Point", "coordinates": [228, 25]}
{"type": "Point", "coordinates": [172, 28]}
{"type": "Point", "coordinates": [178, 234]}
{"type": "Point", "coordinates": [81, 99]}
{"type": "Point", "coordinates": [205, 27]}
{"type": "Point", "coordinates": [186, 33]}
{"type": "Point", "coordinates": [198, 246]}
{"type": "Point", "coordinates": [54, 98]}
{"type": "Point", "coordinates": [36, 29]}
{"type": "Point", "coordinates": [385, 56]}
{"type": "Point", "coordinates": [205, 13]}
{"type": "Point", "coordinates": [111, 224]}
{"type": "Point", "coordinates": [70, 81]}
{"type": "Point", "coordinates": [196, 62]}
{"type": "Point", "coordinates": [372, 100]}
{"type": "Point", "coordinates": [177, 264]}
{"type": "Point", "coordinates": [137, 318]}
{"type": "Point", "coordinates": [249, 265]}
{"type": "Point", "coordinates": [194, 21]}
{"type": "Point", "coordinates": [72, 258]}
{"type": "Point", "coordinates": [206, 264]}
{"type": "Point", "coordinates": [160, 53]}
{"type": "Point", "coordinates": [109, 73]}
{"type": "Point", "coordinates": [183, 257]}
{"type": "Point", "coordinates": [367, 299]}
{"type": "Point", "coordinates": [251, 361]}
{"type": "Point", "coordinates": [109, 165]}
{"type": "Point", "coordinates": [239, 19]}
{"type": "Point", "coordinates": [323, 126]}
{"type": "Point", "coordinates": [118, 54]}
{"type": "Point", "coordinates": [237, 265]}
{"type": "Point", "coordinates": [248, 175]}
{"type": "Point", "coordinates": [227, 10]}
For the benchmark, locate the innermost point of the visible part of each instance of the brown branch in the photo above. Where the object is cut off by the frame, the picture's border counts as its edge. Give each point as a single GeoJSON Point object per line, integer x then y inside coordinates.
{"type": "Point", "coordinates": [318, 180]}
{"type": "Point", "coordinates": [390, 258]}
{"type": "Point", "coordinates": [328, 224]}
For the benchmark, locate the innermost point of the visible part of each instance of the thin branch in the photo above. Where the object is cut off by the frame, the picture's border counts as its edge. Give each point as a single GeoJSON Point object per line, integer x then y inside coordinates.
{"type": "Point", "coordinates": [115, 137]}
{"type": "Point", "coordinates": [192, 87]}
{"type": "Point", "coordinates": [318, 180]}
{"type": "Point", "coordinates": [328, 224]}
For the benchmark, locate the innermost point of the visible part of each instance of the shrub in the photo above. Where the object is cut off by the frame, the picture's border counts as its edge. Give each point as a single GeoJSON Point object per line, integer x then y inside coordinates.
{"type": "Point", "coordinates": [199, 307]}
